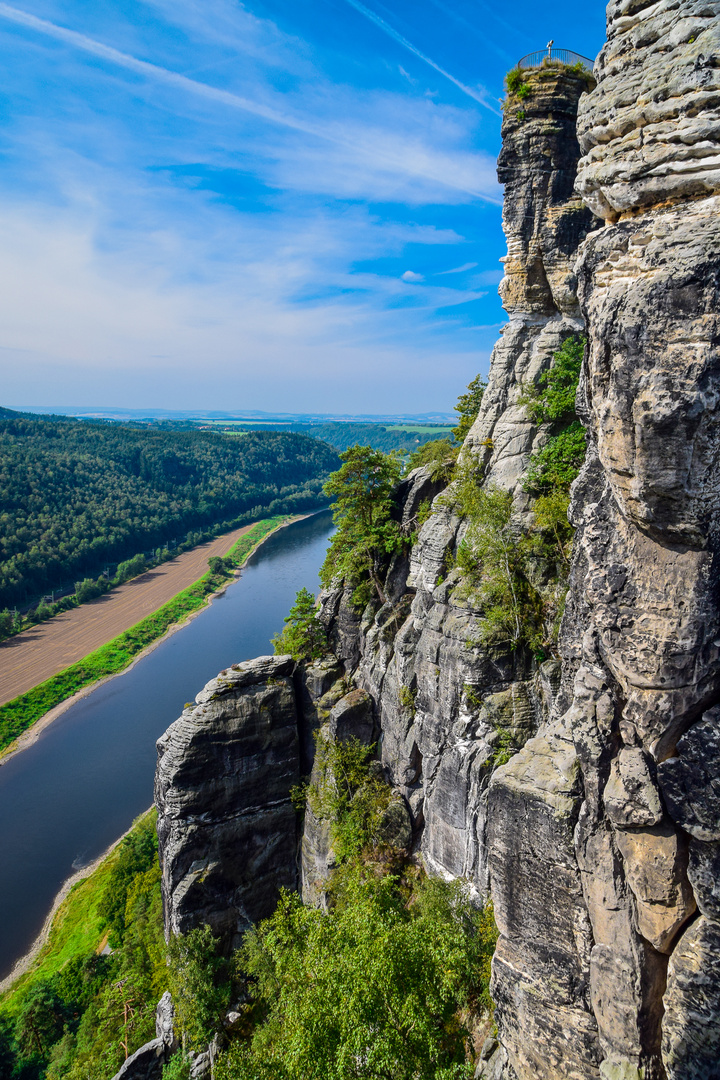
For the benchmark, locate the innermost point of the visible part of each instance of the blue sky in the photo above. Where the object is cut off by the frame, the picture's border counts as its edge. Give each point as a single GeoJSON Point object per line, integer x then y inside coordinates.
{"type": "Point", "coordinates": [276, 205]}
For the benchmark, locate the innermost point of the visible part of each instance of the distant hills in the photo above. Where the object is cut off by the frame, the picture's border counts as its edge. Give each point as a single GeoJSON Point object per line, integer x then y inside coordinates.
{"type": "Point", "coordinates": [77, 495]}
{"type": "Point", "coordinates": [105, 412]}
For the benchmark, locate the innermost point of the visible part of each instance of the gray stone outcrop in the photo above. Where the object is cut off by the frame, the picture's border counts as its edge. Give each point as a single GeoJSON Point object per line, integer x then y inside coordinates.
{"type": "Point", "coordinates": [442, 701]}
{"type": "Point", "coordinates": [651, 133]}
{"type": "Point", "coordinates": [226, 824]}
{"type": "Point", "coordinates": [640, 637]}
{"type": "Point", "coordinates": [148, 1061]}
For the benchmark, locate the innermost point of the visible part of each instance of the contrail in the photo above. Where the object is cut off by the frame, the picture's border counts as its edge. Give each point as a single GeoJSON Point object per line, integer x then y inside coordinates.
{"type": "Point", "coordinates": [225, 97]}
{"type": "Point", "coordinates": [386, 28]}
{"type": "Point", "coordinates": [154, 71]}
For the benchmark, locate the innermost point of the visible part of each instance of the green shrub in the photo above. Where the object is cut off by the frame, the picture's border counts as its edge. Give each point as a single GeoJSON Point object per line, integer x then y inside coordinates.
{"type": "Point", "coordinates": [350, 796]}
{"type": "Point", "coordinates": [559, 462]}
{"type": "Point", "coordinates": [375, 979]}
{"type": "Point", "coordinates": [554, 397]}
{"type": "Point", "coordinates": [138, 853]}
{"type": "Point", "coordinates": [200, 984]}
{"type": "Point", "coordinates": [304, 635]}
{"type": "Point", "coordinates": [407, 697]}
{"type": "Point", "coordinates": [515, 83]}
{"type": "Point", "coordinates": [556, 465]}
{"type": "Point", "coordinates": [468, 406]}
{"type": "Point", "coordinates": [88, 589]}
{"type": "Point", "coordinates": [492, 558]}
{"type": "Point", "coordinates": [438, 456]}
{"type": "Point", "coordinates": [218, 566]}
{"type": "Point", "coordinates": [130, 569]}
{"type": "Point", "coordinates": [366, 530]}
{"type": "Point", "coordinates": [76, 1015]}
{"type": "Point", "coordinates": [177, 1068]}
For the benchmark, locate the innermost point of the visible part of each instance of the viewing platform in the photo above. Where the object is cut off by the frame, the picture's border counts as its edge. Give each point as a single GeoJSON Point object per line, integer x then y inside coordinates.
{"type": "Point", "coordinates": [549, 56]}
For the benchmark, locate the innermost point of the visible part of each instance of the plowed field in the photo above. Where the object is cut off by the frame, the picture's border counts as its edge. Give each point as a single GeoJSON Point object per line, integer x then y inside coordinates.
{"type": "Point", "coordinates": [35, 655]}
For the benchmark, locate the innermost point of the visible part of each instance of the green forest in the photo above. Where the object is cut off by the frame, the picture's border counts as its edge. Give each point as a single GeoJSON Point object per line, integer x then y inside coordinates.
{"type": "Point", "coordinates": [343, 435]}
{"type": "Point", "coordinates": [77, 496]}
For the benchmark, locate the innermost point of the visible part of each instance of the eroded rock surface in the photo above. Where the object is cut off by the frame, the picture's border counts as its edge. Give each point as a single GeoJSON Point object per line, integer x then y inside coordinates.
{"type": "Point", "coordinates": [653, 129]}
{"type": "Point", "coordinates": [641, 634]}
{"type": "Point", "coordinates": [441, 701]}
{"type": "Point", "coordinates": [600, 839]}
{"type": "Point", "coordinates": [226, 825]}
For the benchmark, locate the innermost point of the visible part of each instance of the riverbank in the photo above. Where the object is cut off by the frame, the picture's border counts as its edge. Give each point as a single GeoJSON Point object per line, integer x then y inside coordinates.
{"type": "Point", "coordinates": [35, 655]}
{"type": "Point", "coordinates": [24, 718]}
{"type": "Point", "coordinates": [75, 916]}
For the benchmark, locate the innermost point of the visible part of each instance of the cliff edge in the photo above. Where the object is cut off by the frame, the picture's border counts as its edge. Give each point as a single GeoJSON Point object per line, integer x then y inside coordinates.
{"type": "Point", "coordinates": [570, 773]}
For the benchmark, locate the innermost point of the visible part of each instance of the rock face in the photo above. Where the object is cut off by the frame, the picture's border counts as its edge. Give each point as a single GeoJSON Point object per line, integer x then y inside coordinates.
{"type": "Point", "coordinates": [651, 134]}
{"type": "Point", "coordinates": [442, 703]}
{"type": "Point", "coordinates": [641, 633]}
{"type": "Point", "coordinates": [599, 840]}
{"type": "Point", "coordinates": [148, 1061]}
{"type": "Point", "coordinates": [228, 832]}
{"type": "Point", "coordinates": [226, 825]}
{"type": "Point", "coordinates": [544, 222]}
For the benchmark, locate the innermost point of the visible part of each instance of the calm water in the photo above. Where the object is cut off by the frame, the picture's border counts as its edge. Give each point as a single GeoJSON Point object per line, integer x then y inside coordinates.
{"type": "Point", "coordinates": [65, 799]}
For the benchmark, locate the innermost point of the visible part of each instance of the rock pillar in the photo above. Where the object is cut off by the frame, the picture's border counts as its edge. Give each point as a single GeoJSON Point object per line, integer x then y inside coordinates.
{"type": "Point", "coordinates": [616, 815]}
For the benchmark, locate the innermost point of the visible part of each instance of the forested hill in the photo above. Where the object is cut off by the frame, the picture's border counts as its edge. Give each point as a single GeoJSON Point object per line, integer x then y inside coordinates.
{"type": "Point", "coordinates": [380, 437]}
{"type": "Point", "coordinates": [74, 496]}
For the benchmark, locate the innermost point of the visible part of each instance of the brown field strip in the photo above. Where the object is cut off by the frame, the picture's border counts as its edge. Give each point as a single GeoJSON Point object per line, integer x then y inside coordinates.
{"type": "Point", "coordinates": [36, 655]}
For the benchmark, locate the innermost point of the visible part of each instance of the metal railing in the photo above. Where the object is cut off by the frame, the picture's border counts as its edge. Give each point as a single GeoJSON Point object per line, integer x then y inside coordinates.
{"type": "Point", "coordinates": [548, 57]}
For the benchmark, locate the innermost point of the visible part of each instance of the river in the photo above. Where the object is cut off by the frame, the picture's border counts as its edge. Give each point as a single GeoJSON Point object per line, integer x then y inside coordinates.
{"type": "Point", "coordinates": [66, 798]}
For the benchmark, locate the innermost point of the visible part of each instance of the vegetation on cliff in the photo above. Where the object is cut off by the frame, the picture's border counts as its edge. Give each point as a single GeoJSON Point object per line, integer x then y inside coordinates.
{"type": "Point", "coordinates": [387, 980]}
{"type": "Point", "coordinates": [552, 401]}
{"type": "Point", "coordinates": [304, 636]}
{"type": "Point", "coordinates": [76, 496]}
{"type": "Point", "coordinates": [367, 532]}
{"type": "Point", "coordinates": [373, 987]}
{"type": "Point", "coordinates": [468, 406]}
{"type": "Point", "coordinates": [515, 570]}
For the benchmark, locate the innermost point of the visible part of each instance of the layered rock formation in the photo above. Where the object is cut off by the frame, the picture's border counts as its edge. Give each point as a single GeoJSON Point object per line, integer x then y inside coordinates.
{"type": "Point", "coordinates": [226, 824]}
{"type": "Point", "coordinates": [227, 828]}
{"type": "Point", "coordinates": [442, 702]}
{"type": "Point", "coordinates": [600, 839]}
{"type": "Point", "coordinates": [626, 798]}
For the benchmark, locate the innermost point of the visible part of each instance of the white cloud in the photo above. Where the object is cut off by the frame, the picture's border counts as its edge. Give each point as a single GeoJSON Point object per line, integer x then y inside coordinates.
{"type": "Point", "coordinates": [129, 274]}
{"type": "Point", "coordinates": [458, 269]}
{"type": "Point", "coordinates": [275, 306]}
{"type": "Point", "coordinates": [377, 150]}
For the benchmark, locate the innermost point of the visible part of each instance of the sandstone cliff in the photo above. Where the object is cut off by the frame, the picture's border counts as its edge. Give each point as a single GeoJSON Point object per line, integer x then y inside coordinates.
{"type": "Point", "coordinates": [607, 962]}
{"type": "Point", "coordinates": [599, 840]}
{"type": "Point", "coordinates": [443, 702]}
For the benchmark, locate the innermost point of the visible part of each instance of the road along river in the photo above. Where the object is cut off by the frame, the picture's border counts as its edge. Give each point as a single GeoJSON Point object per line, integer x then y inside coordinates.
{"type": "Point", "coordinates": [67, 797]}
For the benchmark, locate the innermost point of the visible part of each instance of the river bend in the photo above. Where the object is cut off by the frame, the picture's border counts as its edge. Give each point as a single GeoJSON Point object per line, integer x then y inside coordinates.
{"type": "Point", "coordinates": [66, 798]}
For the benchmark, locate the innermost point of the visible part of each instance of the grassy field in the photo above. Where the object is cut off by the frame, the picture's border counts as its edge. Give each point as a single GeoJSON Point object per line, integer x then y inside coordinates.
{"type": "Point", "coordinates": [22, 712]}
